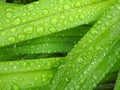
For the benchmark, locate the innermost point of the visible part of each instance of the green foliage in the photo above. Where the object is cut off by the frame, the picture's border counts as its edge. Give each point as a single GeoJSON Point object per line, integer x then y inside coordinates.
{"type": "Point", "coordinates": [59, 44]}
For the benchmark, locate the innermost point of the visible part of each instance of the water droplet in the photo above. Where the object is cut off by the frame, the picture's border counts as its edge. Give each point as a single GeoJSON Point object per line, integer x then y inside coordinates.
{"type": "Point", "coordinates": [66, 79]}
{"type": "Point", "coordinates": [2, 44]}
{"type": "Point", "coordinates": [10, 63]}
{"type": "Point", "coordinates": [28, 29]}
{"type": "Point", "coordinates": [1, 26]}
{"type": "Point", "coordinates": [15, 67]}
{"type": "Point", "coordinates": [77, 87]}
{"type": "Point", "coordinates": [14, 46]}
{"type": "Point", "coordinates": [21, 37]}
{"type": "Point", "coordinates": [107, 23]}
{"type": "Point", "coordinates": [109, 16]}
{"type": "Point", "coordinates": [71, 88]}
{"type": "Point", "coordinates": [118, 7]}
{"type": "Point", "coordinates": [66, 7]}
{"type": "Point", "coordinates": [13, 30]}
{"type": "Point", "coordinates": [52, 29]}
{"type": "Point", "coordinates": [90, 41]}
{"type": "Point", "coordinates": [62, 17]}
{"type": "Point", "coordinates": [45, 12]}
{"type": "Point", "coordinates": [3, 33]}
{"type": "Point", "coordinates": [5, 68]}
{"type": "Point", "coordinates": [25, 63]}
{"type": "Point", "coordinates": [11, 39]}
{"type": "Point", "coordinates": [44, 79]}
{"type": "Point", "coordinates": [82, 16]}
{"type": "Point", "coordinates": [71, 19]}
{"type": "Point", "coordinates": [16, 21]}
{"type": "Point", "coordinates": [7, 20]}
{"type": "Point", "coordinates": [30, 7]}
{"type": "Point", "coordinates": [65, 22]}
{"type": "Point", "coordinates": [39, 66]}
{"type": "Point", "coordinates": [9, 15]}
{"type": "Point", "coordinates": [14, 86]}
{"type": "Point", "coordinates": [53, 21]}
{"type": "Point", "coordinates": [77, 4]}
{"type": "Point", "coordinates": [21, 79]}
{"type": "Point", "coordinates": [40, 30]}
{"type": "Point", "coordinates": [9, 9]}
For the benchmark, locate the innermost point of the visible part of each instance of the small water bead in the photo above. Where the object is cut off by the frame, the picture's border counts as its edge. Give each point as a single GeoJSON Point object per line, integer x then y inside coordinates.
{"type": "Point", "coordinates": [44, 79]}
{"type": "Point", "coordinates": [118, 7]}
{"type": "Point", "coordinates": [30, 7]}
{"type": "Point", "coordinates": [9, 14]}
{"type": "Point", "coordinates": [21, 37]}
{"type": "Point", "coordinates": [70, 88]}
{"type": "Point", "coordinates": [24, 64]}
{"type": "Point", "coordinates": [6, 68]}
{"type": "Point", "coordinates": [45, 12]}
{"type": "Point", "coordinates": [53, 21]}
{"type": "Point", "coordinates": [60, 9]}
{"type": "Point", "coordinates": [82, 16]}
{"type": "Point", "coordinates": [17, 21]}
{"type": "Point", "coordinates": [28, 29]}
{"type": "Point", "coordinates": [109, 16]}
{"type": "Point", "coordinates": [77, 4]}
{"type": "Point", "coordinates": [66, 7]}
{"type": "Point", "coordinates": [11, 39]}
{"type": "Point", "coordinates": [7, 20]}
{"type": "Point", "coordinates": [71, 19]}
{"type": "Point", "coordinates": [3, 33]}
{"type": "Point", "coordinates": [62, 17]}
{"type": "Point", "coordinates": [2, 44]}
{"type": "Point", "coordinates": [52, 29]}
{"type": "Point", "coordinates": [40, 30]}
{"type": "Point", "coordinates": [13, 30]}
{"type": "Point", "coordinates": [9, 9]}
{"type": "Point", "coordinates": [10, 63]}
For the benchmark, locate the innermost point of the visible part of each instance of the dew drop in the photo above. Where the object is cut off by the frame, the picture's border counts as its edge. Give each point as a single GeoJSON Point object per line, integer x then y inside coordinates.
{"type": "Point", "coordinates": [77, 87]}
{"type": "Point", "coordinates": [118, 7]}
{"type": "Point", "coordinates": [77, 4]}
{"type": "Point", "coordinates": [62, 17]}
{"type": "Point", "coordinates": [44, 79]}
{"type": "Point", "coordinates": [21, 37]}
{"type": "Point", "coordinates": [9, 9]}
{"type": "Point", "coordinates": [13, 30]}
{"type": "Point", "coordinates": [17, 21]}
{"type": "Point", "coordinates": [66, 7]}
{"type": "Point", "coordinates": [11, 39]}
{"type": "Point", "coordinates": [71, 19]}
{"type": "Point", "coordinates": [15, 87]}
{"type": "Point", "coordinates": [45, 12]}
{"type": "Point", "coordinates": [21, 79]}
{"type": "Point", "coordinates": [10, 63]}
{"type": "Point", "coordinates": [52, 29]}
{"type": "Point", "coordinates": [71, 88]}
{"type": "Point", "coordinates": [82, 16]}
{"type": "Point", "coordinates": [7, 20]}
{"type": "Point", "coordinates": [109, 16]}
{"type": "Point", "coordinates": [30, 7]}
{"type": "Point", "coordinates": [40, 30]}
{"type": "Point", "coordinates": [2, 44]}
{"type": "Point", "coordinates": [5, 68]}
{"type": "Point", "coordinates": [3, 33]}
{"type": "Point", "coordinates": [53, 21]}
{"type": "Point", "coordinates": [28, 29]}
{"type": "Point", "coordinates": [65, 22]}
{"type": "Point", "coordinates": [9, 15]}
{"type": "Point", "coordinates": [1, 26]}
{"type": "Point", "coordinates": [25, 64]}
{"type": "Point", "coordinates": [107, 23]}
